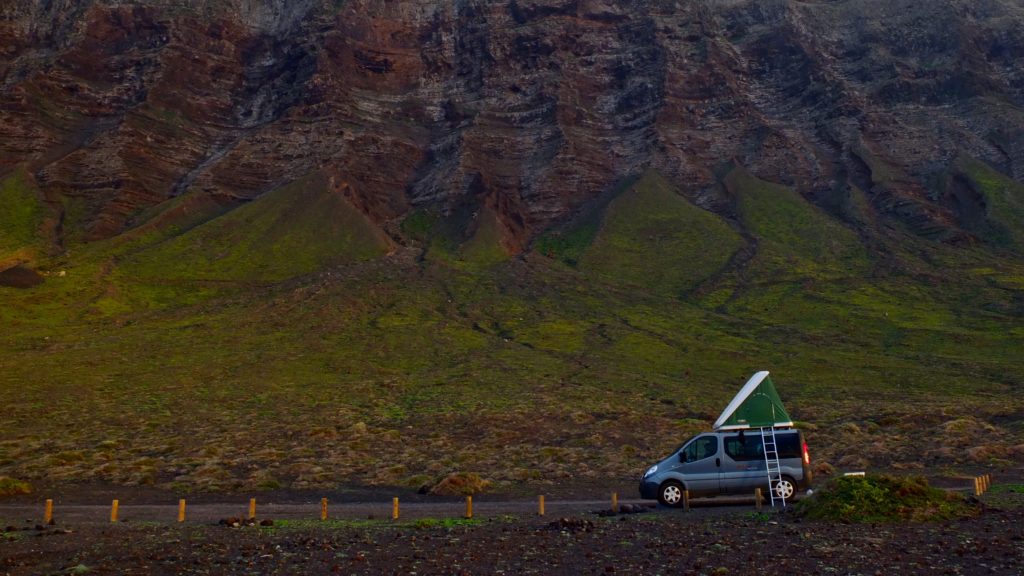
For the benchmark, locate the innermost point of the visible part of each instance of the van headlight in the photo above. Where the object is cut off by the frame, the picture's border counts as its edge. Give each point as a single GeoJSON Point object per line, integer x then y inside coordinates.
{"type": "Point", "coordinates": [651, 470]}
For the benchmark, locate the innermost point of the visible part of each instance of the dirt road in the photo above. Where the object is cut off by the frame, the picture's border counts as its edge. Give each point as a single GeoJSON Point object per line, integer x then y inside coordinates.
{"type": "Point", "coordinates": [207, 513]}
{"type": "Point", "coordinates": [504, 538]}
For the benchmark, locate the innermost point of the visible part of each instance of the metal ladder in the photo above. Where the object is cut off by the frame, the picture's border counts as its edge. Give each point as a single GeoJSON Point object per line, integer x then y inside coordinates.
{"type": "Point", "coordinates": [771, 464]}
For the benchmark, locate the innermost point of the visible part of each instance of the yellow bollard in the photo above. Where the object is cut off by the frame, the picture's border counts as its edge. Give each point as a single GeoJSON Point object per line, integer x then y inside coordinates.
{"type": "Point", "coordinates": [394, 508]}
{"type": "Point", "coordinates": [252, 508]}
{"type": "Point", "coordinates": [469, 507]}
{"type": "Point", "coordinates": [540, 505]}
{"type": "Point", "coordinates": [323, 508]}
{"type": "Point", "coordinates": [615, 502]}
{"type": "Point", "coordinates": [48, 514]}
{"type": "Point", "coordinates": [181, 510]}
{"type": "Point", "coordinates": [686, 499]}
{"type": "Point", "coordinates": [757, 497]}
{"type": "Point", "coordinates": [113, 511]}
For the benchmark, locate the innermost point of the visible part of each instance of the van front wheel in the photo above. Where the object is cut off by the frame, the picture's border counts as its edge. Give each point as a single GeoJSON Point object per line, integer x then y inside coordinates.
{"type": "Point", "coordinates": [671, 493]}
{"type": "Point", "coordinates": [785, 488]}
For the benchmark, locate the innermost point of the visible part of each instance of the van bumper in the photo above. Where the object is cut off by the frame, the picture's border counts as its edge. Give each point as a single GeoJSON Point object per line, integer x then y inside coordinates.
{"type": "Point", "coordinates": [805, 482]}
{"type": "Point", "coordinates": [648, 490]}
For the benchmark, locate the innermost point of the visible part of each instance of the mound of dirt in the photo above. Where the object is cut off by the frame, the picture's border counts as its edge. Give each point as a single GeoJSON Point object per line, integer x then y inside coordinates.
{"type": "Point", "coordinates": [20, 277]}
{"type": "Point", "coordinates": [882, 498]}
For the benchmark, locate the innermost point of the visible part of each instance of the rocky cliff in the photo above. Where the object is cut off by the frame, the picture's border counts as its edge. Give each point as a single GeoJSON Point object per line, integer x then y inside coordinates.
{"type": "Point", "coordinates": [526, 109]}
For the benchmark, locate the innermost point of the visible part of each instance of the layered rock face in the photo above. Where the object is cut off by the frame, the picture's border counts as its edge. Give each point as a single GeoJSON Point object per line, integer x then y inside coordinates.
{"type": "Point", "coordinates": [530, 108]}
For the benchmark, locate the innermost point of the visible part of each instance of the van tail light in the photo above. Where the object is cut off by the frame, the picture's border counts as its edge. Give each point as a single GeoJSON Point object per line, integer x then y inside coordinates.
{"type": "Point", "coordinates": [807, 455]}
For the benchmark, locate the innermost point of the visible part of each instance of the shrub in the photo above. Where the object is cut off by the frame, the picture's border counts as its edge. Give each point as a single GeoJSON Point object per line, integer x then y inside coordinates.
{"type": "Point", "coordinates": [460, 483]}
{"type": "Point", "coordinates": [882, 498]}
{"type": "Point", "coordinates": [269, 483]}
{"type": "Point", "coordinates": [12, 487]}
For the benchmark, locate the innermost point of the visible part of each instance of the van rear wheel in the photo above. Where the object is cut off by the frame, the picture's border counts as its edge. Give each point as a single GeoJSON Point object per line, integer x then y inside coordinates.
{"type": "Point", "coordinates": [671, 493]}
{"type": "Point", "coordinates": [785, 488]}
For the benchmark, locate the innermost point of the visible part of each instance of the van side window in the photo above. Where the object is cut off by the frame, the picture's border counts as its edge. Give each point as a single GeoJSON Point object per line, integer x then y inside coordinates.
{"type": "Point", "coordinates": [745, 448]}
{"type": "Point", "coordinates": [751, 448]}
{"type": "Point", "coordinates": [701, 448]}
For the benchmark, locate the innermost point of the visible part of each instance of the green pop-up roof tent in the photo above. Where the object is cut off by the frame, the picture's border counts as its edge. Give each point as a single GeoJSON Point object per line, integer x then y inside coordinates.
{"type": "Point", "coordinates": [757, 405]}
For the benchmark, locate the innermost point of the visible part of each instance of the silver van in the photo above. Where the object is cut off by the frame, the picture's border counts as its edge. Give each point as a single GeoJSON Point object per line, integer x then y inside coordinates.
{"type": "Point", "coordinates": [728, 462]}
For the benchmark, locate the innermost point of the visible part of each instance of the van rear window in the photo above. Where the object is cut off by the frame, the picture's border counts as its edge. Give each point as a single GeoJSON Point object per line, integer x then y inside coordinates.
{"type": "Point", "coordinates": [789, 445]}
{"type": "Point", "coordinates": [749, 446]}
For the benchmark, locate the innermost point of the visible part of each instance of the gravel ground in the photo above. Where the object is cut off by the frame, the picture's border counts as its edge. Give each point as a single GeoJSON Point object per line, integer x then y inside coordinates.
{"type": "Point", "coordinates": [506, 538]}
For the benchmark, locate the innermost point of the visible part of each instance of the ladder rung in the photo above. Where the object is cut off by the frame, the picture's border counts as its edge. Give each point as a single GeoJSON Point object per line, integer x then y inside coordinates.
{"type": "Point", "coordinates": [773, 467]}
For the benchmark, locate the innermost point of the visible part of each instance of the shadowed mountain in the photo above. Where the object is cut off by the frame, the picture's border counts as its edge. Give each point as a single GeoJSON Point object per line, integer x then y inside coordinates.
{"type": "Point", "coordinates": [529, 109]}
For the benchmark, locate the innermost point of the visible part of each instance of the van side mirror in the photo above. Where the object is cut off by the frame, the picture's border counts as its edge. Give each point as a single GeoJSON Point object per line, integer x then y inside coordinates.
{"type": "Point", "coordinates": [682, 457]}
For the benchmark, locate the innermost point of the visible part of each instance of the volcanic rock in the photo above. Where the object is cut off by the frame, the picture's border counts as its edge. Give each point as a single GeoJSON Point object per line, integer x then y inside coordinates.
{"type": "Point", "coordinates": [525, 109]}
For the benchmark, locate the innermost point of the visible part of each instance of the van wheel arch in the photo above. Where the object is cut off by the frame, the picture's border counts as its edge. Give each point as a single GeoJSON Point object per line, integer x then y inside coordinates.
{"type": "Point", "coordinates": [671, 493]}
{"type": "Point", "coordinates": [782, 490]}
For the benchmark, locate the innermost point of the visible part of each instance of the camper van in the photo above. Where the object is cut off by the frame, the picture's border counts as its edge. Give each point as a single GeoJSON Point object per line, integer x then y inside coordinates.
{"type": "Point", "coordinates": [754, 444]}
{"type": "Point", "coordinates": [729, 462]}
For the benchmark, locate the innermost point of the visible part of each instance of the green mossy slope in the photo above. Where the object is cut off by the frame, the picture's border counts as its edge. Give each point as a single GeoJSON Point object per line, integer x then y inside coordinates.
{"type": "Point", "coordinates": [653, 238]}
{"type": "Point", "coordinates": [484, 248]}
{"type": "Point", "coordinates": [297, 229]}
{"type": "Point", "coordinates": [794, 238]}
{"type": "Point", "coordinates": [21, 214]}
{"type": "Point", "coordinates": [207, 357]}
{"type": "Point", "coordinates": [1002, 222]}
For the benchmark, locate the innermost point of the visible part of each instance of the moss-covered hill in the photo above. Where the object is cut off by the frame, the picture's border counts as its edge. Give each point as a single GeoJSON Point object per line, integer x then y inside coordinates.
{"type": "Point", "coordinates": [291, 342]}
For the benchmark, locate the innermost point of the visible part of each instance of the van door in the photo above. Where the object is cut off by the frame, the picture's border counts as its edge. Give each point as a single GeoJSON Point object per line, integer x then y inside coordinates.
{"type": "Point", "coordinates": [744, 468]}
{"type": "Point", "coordinates": [699, 462]}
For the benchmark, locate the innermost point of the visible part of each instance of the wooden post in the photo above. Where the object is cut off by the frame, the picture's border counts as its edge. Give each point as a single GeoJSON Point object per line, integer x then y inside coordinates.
{"type": "Point", "coordinates": [394, 508]}
{"type": "Point", "coordinates": [323, 508]}
{"type": "Point", "coordinates": [988, 482]}
{"type": "Point", "coordinates": [48, 514]}
{"type": "Point", "coordinates": [757, 498]}
{"type": "Point", "coordinates": [977, 486]}
{"type": "Point", "coordinates": [252, 508]}
{"type": "Point", "coordinates": [181, 510]}
{"type": "Point", "coordinates": [686, 499]}
{"type": "Point", "coordinates": [615, 502]}
{"type": "Point", "coordinates": [469, 507]}
{"type": "Point", "coordinates": [540, 505]}
{"type": "Point", "coordinates": [113, 511]}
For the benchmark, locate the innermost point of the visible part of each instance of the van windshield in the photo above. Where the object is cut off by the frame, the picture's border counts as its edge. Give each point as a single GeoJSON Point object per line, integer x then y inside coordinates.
{"type": "Point", "coordinates": [703, 447]}
{"type": "Point", "coordinates": [683, 445]}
